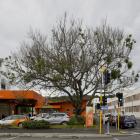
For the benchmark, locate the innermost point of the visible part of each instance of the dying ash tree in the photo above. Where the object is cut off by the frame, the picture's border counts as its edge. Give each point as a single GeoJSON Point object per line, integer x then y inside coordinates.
{"type": "Point", "coordinates": [71, 60]}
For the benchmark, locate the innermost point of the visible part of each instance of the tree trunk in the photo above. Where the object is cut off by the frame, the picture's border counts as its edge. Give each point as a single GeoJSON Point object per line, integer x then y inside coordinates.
{"type": "Point", "coordinates": [78, 109]}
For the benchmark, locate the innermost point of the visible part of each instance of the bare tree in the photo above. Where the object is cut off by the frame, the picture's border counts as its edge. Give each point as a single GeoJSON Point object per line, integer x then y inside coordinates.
{"type": "Point", "coordinates": [70, 62]}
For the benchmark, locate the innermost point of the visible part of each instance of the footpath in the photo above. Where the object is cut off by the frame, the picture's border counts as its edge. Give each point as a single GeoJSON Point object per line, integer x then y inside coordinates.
{"type": "Point", "coordinates": [61, 133]}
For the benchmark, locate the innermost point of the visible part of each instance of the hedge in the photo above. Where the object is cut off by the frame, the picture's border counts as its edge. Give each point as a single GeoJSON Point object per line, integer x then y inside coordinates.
{"type": "Point", "coordinates": [36, 124]}
{"type": "Point", "coordinates": [76, 120]}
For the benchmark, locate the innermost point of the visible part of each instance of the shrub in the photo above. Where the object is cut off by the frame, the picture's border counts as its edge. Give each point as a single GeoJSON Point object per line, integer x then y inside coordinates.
{"type": "Point", "coordinates": [36, 124]}
{"type": "Point", "coordinates": [76, 120]}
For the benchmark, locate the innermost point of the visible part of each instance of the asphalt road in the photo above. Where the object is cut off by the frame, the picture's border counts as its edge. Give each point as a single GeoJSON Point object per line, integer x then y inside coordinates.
{"type": "Point", "coordinates": [136, 137]}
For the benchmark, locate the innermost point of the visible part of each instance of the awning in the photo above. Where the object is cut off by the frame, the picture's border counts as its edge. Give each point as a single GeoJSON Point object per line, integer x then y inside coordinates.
{"type": "Point", "coordinates": [23, 97]}
{"type": "Point", "coordinates": [51, 106]}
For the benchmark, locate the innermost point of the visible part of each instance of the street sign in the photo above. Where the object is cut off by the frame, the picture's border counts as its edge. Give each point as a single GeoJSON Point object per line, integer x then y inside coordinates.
{"type": "Point", "coordinates": [104, 107]}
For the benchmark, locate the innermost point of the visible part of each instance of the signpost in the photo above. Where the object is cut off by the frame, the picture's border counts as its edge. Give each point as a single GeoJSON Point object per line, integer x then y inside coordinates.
{"type": "Point", "coordinates": [104, 107]}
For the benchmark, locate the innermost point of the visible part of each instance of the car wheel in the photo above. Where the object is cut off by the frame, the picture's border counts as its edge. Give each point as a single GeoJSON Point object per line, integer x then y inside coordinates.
{"type": "Point", "coordinates": [64, 123]}
{"type": "Point", "coordinates": [20, 125]}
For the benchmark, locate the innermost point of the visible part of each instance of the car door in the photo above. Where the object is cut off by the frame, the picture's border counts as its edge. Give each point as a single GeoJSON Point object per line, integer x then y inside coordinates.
{"type": "Point", "coordinates": [58, 118]}
{"type": "Point", "coordinates": [8, 120]}
{"type": "Point", "coordinates": [51, 119]}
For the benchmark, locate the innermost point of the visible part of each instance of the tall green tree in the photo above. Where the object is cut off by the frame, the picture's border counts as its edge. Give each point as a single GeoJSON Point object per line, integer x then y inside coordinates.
{"type": "Point", "coordinates": [70, 60]}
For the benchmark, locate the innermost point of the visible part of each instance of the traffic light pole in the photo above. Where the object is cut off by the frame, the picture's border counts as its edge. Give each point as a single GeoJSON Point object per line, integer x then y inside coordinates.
{"type": "Point", "coordinates": [101, 100]}
{"type": "Point", "coordinates": [118, 116]}
{"type": "Point", "coordinates": [100, 121]}
{"type": "Point", "coordinates": [100, 131]}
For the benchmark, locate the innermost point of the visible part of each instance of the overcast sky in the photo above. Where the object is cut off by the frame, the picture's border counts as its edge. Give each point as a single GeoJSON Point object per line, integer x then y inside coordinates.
{"type": "Point", "coordinates": [17, 16]}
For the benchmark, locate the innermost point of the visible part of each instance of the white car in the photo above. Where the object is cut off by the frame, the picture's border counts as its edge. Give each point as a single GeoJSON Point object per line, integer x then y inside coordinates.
{"type": "Point", "coordinates": [40, 116]}
{"type": "Point", "coordinates": [6, 121]}
{"type": "Point", "coordinates": [14, 120]}
{"type": "Point", "coordinates": [57, 118]}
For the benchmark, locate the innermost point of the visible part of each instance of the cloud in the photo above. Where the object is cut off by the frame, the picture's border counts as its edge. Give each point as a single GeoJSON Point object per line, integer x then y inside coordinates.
{"type": "Point", "coordinates": [18, 16]}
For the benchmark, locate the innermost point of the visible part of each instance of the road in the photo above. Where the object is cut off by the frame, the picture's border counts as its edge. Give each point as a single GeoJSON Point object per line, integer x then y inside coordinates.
{"type": "Point", "coordinates": [134, 131]}
{"type": "Point", "coordinates": [136, 137]}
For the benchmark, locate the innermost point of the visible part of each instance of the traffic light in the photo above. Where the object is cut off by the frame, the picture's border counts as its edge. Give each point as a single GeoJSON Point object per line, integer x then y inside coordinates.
{"type": "Point", "coordinates": [120, 98]}
{"type": "Point", "coordinates": [104, 100]}
{"type": "Point", "coordinates": [107, 77]}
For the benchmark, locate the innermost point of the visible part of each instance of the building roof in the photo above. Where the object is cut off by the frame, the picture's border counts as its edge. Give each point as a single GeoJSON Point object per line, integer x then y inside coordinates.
{"type": "Point", "coordinates": [23, 94]}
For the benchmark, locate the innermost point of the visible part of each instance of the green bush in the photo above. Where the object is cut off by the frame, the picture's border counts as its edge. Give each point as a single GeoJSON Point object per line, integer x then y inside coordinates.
{"type": "Point", "coordinates": [76, 120]}
{"type": "Point", "coordinates": [36, 124]}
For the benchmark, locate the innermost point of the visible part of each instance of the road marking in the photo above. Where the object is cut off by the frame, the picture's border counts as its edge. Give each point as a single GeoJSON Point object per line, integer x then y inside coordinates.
{"type": "Point", "coordinates": [11, 138]}
{"type": "Point", "coordinates": [135, 133]}
{"type": "Point", "coordinates": [115, 139]}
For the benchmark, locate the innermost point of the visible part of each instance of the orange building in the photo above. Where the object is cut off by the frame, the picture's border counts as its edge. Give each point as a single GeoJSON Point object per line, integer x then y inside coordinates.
{"type": "Point", "coordinates": [11, 100]}
{"type": "Point", "coordinates": [63, 106]}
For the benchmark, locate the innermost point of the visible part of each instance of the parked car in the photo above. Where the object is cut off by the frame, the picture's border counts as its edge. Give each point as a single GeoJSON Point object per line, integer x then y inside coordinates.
{"type": "Point", "coordinates": [40, 116]}
{"type": "Point", "coordinates": [57, 118]}
{"type": "Point", "coordinates": [126, 122]}
{"type": "Point", "coordinates": [14, 120]}
{"type": "Point", "coordinates": [134, 119]}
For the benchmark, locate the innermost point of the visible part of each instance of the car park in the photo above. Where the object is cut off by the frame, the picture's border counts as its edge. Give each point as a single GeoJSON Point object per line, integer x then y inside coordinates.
{"type": "Point", "coordinates": [57, 118]}
{"type": "Point", "coordinates": [16, 120]}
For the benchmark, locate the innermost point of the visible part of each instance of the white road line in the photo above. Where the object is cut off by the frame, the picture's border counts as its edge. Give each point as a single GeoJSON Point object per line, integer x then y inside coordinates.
{"type": "Point", "coordinates": [12, 138]}
{"type": "Point", "coordinates": [136, 133]}
{"type": "Point", "coordinates": [115, 139]}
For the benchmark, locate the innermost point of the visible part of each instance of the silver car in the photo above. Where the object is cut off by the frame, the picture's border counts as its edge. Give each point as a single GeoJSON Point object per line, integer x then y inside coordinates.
{"type": "Point", "coordinates": [40, 116]}
{"type": "Point", "coordinates": [57, 118]}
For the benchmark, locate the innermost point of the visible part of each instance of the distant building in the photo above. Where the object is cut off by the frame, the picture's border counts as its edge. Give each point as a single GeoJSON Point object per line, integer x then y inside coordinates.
{"type": "Point", "coordinates": [11, 101]}
{"type": "Point", "coordinates": [63, 104]}
{"type": "Point", "coordinates": [131, 103]}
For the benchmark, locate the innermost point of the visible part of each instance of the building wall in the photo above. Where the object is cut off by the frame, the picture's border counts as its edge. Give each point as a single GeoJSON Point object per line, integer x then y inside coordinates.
{"type": "Point", "coordinates": [67, 107]}
{"type": "Point", "coordinates": [5, 109]}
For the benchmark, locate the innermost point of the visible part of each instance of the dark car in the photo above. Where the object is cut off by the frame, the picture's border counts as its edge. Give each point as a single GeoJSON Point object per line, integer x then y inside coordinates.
{"type": "Point", "coordinates": [134, 119]}
{"type": "Point", "coordinates": [126, 122]}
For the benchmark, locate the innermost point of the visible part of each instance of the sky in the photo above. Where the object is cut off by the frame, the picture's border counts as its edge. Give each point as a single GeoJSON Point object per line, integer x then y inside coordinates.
{"type": "Point", "coordinates": [18, 16]}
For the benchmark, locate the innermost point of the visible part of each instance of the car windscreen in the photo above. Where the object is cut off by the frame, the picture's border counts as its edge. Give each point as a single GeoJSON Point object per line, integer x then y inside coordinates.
{"type": "Point", "coordinates": [133, 117]}
{"type": "Point", "coordinates": [39, 115]}
{"type": "Point", "coordinates": [7, 118]}
{"type": "Point", "coordinates": [17, 117]}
